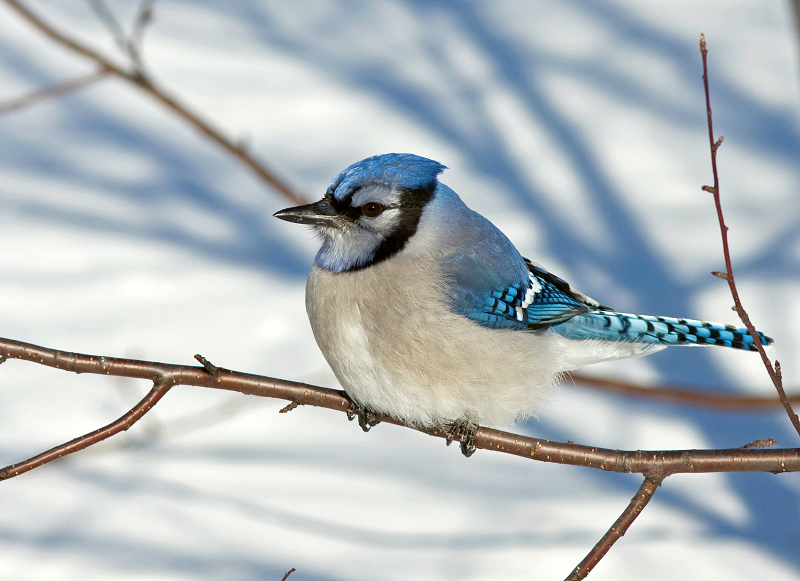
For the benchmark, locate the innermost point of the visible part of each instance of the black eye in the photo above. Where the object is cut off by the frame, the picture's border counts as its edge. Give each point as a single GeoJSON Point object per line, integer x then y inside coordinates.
{"type": "Point", "coordinates": [371, 209]}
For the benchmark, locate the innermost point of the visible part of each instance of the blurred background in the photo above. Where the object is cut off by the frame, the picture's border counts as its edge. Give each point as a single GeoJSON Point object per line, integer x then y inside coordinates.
{"type": "Point", "coordinates": [579, 128]}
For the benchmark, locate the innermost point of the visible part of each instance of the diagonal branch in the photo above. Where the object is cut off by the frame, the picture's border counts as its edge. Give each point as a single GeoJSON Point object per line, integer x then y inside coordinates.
{"type": "Point", "coordinates": [773, 371]}
{"type": "Point", "coordinates": [143, 82]}
{"type": "Point", "coordinates": [160, 388]}
{"type": "Point", "coordinates": [618, 529]}
{"type": "Point", "coordinates": [651, 463]}
{"type": "Point", "coordinates": [53, 91]}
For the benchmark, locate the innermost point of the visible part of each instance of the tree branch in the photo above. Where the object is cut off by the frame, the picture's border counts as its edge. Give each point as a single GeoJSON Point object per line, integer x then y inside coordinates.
{"type": "Point", "coordinates": [53, 91]}
{"type": "Point", "coordinates": [618, 529]}
{"type": "Point", "coordinates": [143, 82]}
{"type": "Point", "coordinates": [144, 18]}
{"type": "Point", "coordinates": [651, 463]}
{"type": "Point", "coordinates": [112, 25]}
{"type": "Point", "coordinates": [685, 396]}
{"type": "Point", "coordinates": [160, 387]}
{"type": "Point", "coordinates": [773, 371]}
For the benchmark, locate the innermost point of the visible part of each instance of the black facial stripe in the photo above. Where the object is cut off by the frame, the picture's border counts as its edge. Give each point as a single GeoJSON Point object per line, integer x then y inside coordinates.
{"type": "Point", "coordinates": [343, 206]}
{"type": "Point", "coordinates": [412, 203]}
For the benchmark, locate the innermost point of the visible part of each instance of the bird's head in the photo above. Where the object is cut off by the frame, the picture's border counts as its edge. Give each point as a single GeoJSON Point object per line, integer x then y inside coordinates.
{"type": "Point", "coordinates": [370, 210]}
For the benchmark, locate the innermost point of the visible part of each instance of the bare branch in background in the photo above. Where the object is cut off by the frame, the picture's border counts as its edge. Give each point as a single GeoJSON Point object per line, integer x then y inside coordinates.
{"type": "Point", "coordinates": [773, 371]}
{"type": "Point", "coordinates": [143, 19]}
{"type": "Point", "coordinates": [145, 83]}
{"type": "Point", "coordinates": [650, 463]}
{"type": "Point", "coordinates": [108, 19]}
{"type": "Point", "coordinates": [723, 402]}
{"type": "Point", "coordinates": [130, 46]}
{"type": "Point", "coordinates": [53, 91]}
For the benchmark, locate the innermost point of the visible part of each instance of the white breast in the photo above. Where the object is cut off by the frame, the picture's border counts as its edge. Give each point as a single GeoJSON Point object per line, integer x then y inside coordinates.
{"type": "Point", "coordinates": [395, 347]}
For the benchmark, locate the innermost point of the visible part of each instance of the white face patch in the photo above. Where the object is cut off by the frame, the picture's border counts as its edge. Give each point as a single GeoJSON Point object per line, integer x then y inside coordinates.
{"type": "Point", "coordinates": [384, 224]}
{"type": "Point", "coordinates": [380, 194]}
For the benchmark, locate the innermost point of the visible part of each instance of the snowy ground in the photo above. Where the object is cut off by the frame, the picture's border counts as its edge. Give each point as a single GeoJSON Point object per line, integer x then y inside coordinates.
{"type": "Point", "coordinates": [577, 127]}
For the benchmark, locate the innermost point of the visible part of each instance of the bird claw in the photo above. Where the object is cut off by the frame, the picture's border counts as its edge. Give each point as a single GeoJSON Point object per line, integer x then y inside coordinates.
{"type": "Point", "coordinates": [463, 430]}
{"type": "Point", "coordinates": [366, 419]}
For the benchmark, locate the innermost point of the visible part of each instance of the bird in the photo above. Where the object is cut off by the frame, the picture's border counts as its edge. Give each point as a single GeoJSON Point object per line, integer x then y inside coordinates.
{"type": "Point", "coordinates": [426, 312]}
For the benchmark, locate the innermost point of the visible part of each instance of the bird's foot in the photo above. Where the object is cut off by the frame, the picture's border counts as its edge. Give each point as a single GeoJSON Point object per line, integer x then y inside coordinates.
{"type": "Point", "coordinates": [463, 430]}
{"type": "Point", "coordinates": [367, 419]}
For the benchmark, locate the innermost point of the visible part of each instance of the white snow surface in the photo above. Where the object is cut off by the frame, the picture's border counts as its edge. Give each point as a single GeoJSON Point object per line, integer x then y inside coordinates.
{"type": "Point", "coordinates": [578, 128]}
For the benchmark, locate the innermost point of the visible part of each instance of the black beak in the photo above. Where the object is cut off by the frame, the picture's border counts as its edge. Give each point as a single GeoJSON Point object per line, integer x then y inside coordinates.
{"type": "Point", "coordinates": [317, 214]}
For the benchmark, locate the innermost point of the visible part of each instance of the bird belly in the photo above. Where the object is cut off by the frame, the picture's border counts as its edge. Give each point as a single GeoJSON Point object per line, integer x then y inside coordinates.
{"type": "Point", "coordinates": [396, 347]}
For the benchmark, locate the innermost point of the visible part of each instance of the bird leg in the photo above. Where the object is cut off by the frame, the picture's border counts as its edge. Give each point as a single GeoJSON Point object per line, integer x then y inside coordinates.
{"type": "Point", "coordinates": [367, 419]}
{"type": "Point", "coordinates": [463, 430]}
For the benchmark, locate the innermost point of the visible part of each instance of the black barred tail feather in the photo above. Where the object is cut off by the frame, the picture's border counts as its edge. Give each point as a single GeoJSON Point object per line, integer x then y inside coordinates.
{"type": "Point", "coordinates": [613, 326]}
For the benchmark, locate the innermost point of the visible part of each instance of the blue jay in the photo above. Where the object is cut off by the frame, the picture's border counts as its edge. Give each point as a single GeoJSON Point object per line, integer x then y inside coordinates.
{"type": "Point", "coordinates": [426, 312]}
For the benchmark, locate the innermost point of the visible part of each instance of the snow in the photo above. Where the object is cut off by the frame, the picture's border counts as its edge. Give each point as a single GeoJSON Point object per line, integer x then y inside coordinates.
{"type": "Point", "coordinates": [578, 128]}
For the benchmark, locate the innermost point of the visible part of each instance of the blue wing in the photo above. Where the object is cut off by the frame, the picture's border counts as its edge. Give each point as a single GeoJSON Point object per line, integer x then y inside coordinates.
{"type": "Point", "coordinates": [554, 300]}
{"type": "Point", "coordinates": [538, 301]}
{"type": "Point", "coordinates": [502, 308]}
{"type": "Point", "coordinates": [547, 301]}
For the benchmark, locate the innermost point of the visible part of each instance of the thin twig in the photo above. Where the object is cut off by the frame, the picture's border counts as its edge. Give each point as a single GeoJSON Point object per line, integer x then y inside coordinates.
{"type": "Point", "coordinates": [146, 84]}
{"type": "Point", "coordinates": [108, 19]}
{"type": "Point", "coordinates": [144, 18]}
{"type": "Point", "coordinates": [618, 529]}
{"type": "Point", "coordinates": [289, 572]}
{"type": "Point", "coordinates": [53, 91]}
{"type": "Point", "coordinates": [291, 406]}
{"type": "Point", "coordinates": [774, 373]}
{"type": "Point", "coordinates": [160, 387]}
{"type": "Point", "coordinates": [685, 396]}
{"type": "Point", "coordinates": [761, 443]}
{"type": "Point", "coordinates": [648, 462]}
{"type": "Point", "coordinates": [210, 368]}
{"type": "Point", "coordinates": [130, 46]}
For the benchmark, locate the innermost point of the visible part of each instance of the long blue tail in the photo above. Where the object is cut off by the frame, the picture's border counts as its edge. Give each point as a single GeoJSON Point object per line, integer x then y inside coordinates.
{"type": "Point", "coordinates": [613, 326]}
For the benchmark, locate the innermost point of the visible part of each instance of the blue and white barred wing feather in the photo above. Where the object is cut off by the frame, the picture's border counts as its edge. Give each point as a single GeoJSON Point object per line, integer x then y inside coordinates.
{"type": "Point", "coordinates": [541, 301]}
{"type": "Point", "coordinates": [557, 304]}
{"type": "Point", "coordinates": [505, 307]}
{"type": "Point", "coordinates": [555, 300]}
{"type": "Point", "coordinates": [614, 326]}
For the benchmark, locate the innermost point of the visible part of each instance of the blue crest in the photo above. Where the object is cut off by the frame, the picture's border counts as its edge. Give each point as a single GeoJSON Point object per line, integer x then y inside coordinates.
{"type": "Point", "coordinates": [404, 171]}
